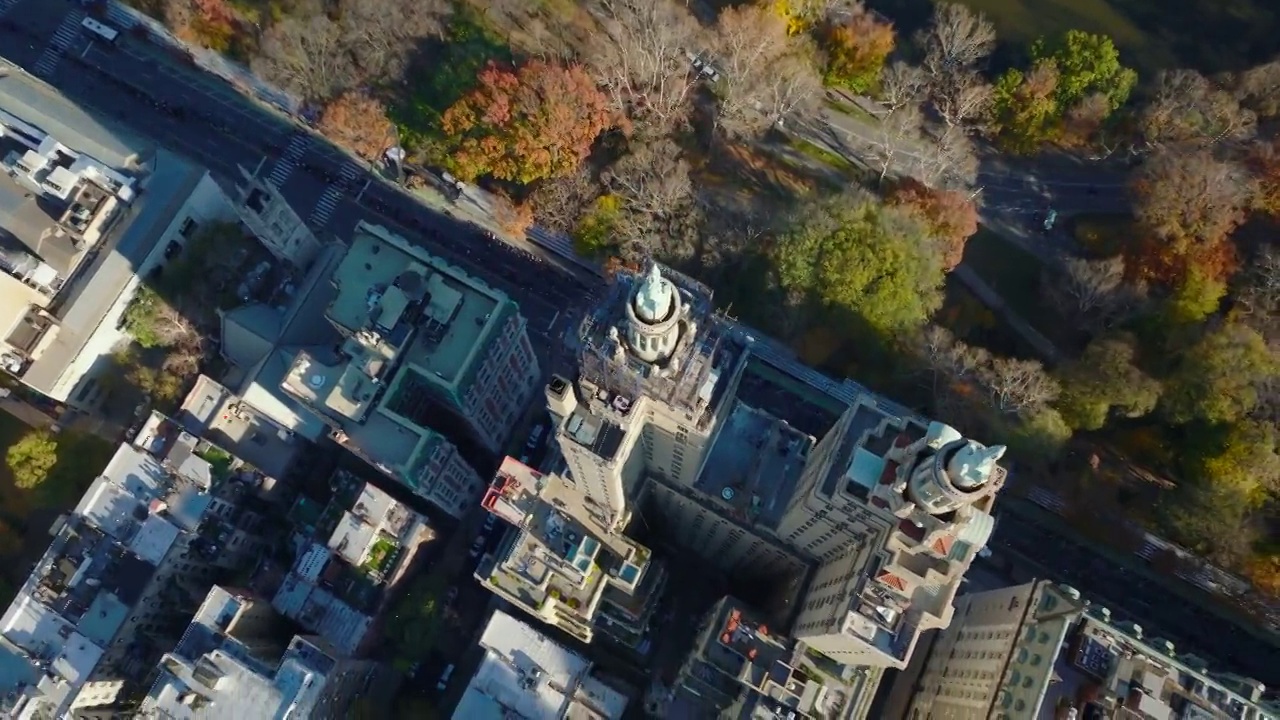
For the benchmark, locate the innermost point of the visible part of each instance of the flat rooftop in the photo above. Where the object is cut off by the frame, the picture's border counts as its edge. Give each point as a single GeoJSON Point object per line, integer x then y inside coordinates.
{"type": "Point", "coordinates": [386, 284]}
{"type": "Point", "coordinates": [522, 671]}
{"type": "Point", "coordinates": [214, 413]}
{"type": "Point", "coordinates": [755, 465]}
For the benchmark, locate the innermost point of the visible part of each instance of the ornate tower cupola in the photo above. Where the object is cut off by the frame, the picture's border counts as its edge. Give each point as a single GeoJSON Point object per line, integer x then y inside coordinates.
{"type": "Point", "coordinates": [958, 474]}
{"type": "Point", "coordinates": [653, 318]}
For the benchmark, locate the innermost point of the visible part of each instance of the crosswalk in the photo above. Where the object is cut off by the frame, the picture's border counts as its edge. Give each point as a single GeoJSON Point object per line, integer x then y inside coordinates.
{"type": "Point", "coordinates": [332, 195]}
{"type": "Point", "coordinates": [6, 6]}
{"type": "Point", "coordinates": [65, 35]}
{"type": "Point", "coordinates": [288, 161]}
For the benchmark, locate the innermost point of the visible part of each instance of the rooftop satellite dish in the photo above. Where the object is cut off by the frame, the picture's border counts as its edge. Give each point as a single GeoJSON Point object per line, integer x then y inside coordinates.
{"type": "Point", "coordinates": [727, 493]}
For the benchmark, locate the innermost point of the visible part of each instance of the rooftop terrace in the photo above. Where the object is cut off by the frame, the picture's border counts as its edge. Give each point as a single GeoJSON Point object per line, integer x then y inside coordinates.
{"type": "Point", "coordinates": [755, 464]}
{"type": "Point", "coordinates": [401, 294]}
{"type": "Point", "coordinates": [739, 665]}
{"type": "Point", "coordinates": [213, 412]}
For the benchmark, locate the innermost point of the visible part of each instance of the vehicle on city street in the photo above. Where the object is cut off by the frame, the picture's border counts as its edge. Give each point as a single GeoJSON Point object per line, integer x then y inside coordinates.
{"type": "Point", "coordinates": [477, 547]}
{"type": "Point", "coordinates": [451, 595]}
{"type": "Point", "coordinates": [444, 678]}
{"type": "Point", "coordinates": [490, 521]}
{"type": "Point", "coordinates": [536, 436]}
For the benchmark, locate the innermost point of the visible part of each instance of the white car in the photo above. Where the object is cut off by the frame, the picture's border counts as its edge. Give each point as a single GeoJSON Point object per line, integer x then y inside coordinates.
{"type": "Point", "coordinates": [444, 678]}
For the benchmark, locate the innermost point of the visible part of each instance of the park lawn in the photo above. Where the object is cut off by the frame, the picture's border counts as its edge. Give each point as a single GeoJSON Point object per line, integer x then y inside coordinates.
{"type": "Point", "coordinates": [1007, 268]}
{"type": "Point", "coordinates": [1016, 275]}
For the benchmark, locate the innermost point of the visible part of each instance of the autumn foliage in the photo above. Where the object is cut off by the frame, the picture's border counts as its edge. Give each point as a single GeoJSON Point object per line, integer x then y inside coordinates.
{"type": "Point", "coordinates": [856, 50]}
{"type": "Point", "coordinates": [524, 124]}
{"type": "Point", "coordinates": [359, 122]}
{"type": "Point", "coordinates": [211, 23]}
{"type": "Point", "coordinates": [949, 213]}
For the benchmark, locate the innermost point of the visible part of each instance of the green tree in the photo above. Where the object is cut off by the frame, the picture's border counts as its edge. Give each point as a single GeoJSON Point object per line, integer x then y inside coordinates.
{"type": "Point", "coordinates": [1212, 520]}
{"type": "Point", "coordinates": [1087, 64]}
{"type": "Point", "coordinates": [1196, 297]}
{"type": "Point", "coordinates": [1247, 459]}
{"type": "Point", "coordinates": [1036, 435]}
{"type": "Point", "coordinates": [879, 262]}
{"type": "Point", "coordinates": [1217, 379]}
{"type": "Point", "coordinates": [32, 458]}
{"type": "Point", "coordinates": [595, 235]}
{"type": "Point", "coordinates": [1103, 382]}
{"type": "Point", "coordinates": [1024, 107]}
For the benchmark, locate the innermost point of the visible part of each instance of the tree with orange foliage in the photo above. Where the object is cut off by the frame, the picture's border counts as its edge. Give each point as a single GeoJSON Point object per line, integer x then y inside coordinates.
{"type": "Point", "coordinates": [857, 46]}
{"type": "Point", "coordinates": [359, 122]}
{"type": "Point", "coordinates": [212, 24]}
{"type": "Point", "coordinates": [524, 124]}
{"type": "Point", "coordinates": [949, 213]}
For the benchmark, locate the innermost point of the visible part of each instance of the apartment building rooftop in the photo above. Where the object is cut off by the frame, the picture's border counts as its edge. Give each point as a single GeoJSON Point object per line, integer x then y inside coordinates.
{"type": "Point", "coordinates": [527, 674]}
{"type": "Point", "coordinates": [1128, 675]}
{"type": "Point", "coordinates": [102, 559]}
{"type": "Point", "coordinates": [229, 685]}
{"type": "Point", "coordinates": [686, 375]}
{"type": "Point", "coordinates": [349, 552]}
{"type": "Point", "coordinates": [561, 560]}
{"type": "Point", "coordinates": [213, 412]}
{"type": "Point", "coordinates": [755, 465]}
{"type": "Point", "coordinates": [75, 224]}
{"type": "Point", "coordinates": [740, 668]}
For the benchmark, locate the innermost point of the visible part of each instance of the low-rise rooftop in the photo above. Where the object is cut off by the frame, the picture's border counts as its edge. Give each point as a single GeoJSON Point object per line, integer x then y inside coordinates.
{"type": "Point", "coordinates": [212, 412]}
{"type": "Point", "coordinates": [527, 674]}
{"type": "Point", "coordinates": [739, 667]}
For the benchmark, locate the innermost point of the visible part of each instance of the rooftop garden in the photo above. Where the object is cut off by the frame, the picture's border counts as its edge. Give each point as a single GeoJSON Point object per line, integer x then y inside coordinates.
{"type": "Point", "coordinates": [220, 461]}
{"type": "Point", "coordinates": [382, 555]}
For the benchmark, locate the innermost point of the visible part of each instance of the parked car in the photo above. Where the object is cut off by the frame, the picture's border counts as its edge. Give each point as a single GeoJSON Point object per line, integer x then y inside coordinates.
{"type": "Point", "coordinates": [490, 520]}
{"type": "Point", "coordinates": [444, 678]}
{"type": "Point", "coordinates": [477, 547]}
{"type": "Point", "coordinates": [451, 595]}
{"type": "Point", "coordinates": [536, 436]}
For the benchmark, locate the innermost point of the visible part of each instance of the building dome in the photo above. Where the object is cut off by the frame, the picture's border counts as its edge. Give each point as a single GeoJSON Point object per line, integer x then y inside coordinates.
{"type": "Point", "coordinates": [655, 297]}
{"type": "Point", "coordinates": [972, 465]}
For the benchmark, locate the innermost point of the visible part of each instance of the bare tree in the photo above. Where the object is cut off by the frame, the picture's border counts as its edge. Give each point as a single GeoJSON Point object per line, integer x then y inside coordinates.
{"type": "Point", "coordinates": [963, 96]}
{"type": "Point", "coordinates": [764, 75]}
{"type": "Point", "coordinates": [381, 34]}
{"type": "Point", "coordinates": [943, 354]}
{"type": "Point", "coordinates": [1259, 294]}
{"type": "Point", "coordinates": [901, 84]}
{"type": "Point", "coordinates": [558, 204]}
{"type": "Point", "coordinates": [642, 60]}
{"type": "Point", "coordinates": [656, 191]}
{"type": "Point", "coordinates": [1258, 89]}
{"type": "Point", "coordinates": [891, 134]}
{"type": "Point", "coordinates": [653, 180]}
{"type": "Point", "coordinates": [1187, 196]}
{"type": "Point", "coordinates": [306, 57]}
{"type": "Point", "coordinates": [957, 38]}
{"type": "Point", "coordinates": [1093, 293]}
{"type": "Point", "coordinates": [1019, 387]}
{"type": "Point", "coordinates": [950, 163]}
{"type": "Point", "coordinates": [1188, 107]}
